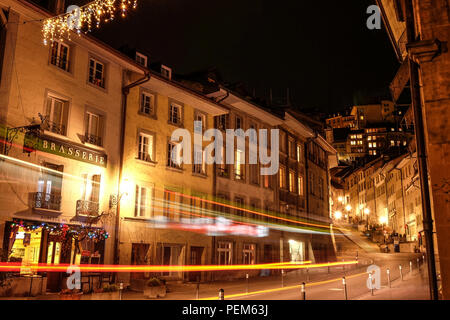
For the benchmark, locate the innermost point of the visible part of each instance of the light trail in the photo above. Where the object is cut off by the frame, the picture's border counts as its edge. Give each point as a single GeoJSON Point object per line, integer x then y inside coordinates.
{"type": "Point", "coordinates": [311, 284]}
{"type": "Point", "coordinates": [42, 267]}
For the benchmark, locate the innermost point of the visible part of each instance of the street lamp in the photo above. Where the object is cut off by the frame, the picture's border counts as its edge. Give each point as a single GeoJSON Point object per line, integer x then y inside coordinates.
{"type": "Point", "coordinates": [338, 215]}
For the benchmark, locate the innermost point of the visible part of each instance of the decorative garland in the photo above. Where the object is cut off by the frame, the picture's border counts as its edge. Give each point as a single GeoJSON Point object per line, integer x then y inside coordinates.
{"type": "Point", "coordinates": [83, 17]}
{"type": "Point", "coordinates": [64, 229]}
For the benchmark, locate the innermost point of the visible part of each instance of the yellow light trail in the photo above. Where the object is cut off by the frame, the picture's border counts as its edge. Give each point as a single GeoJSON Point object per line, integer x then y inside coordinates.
{"type": "Point", "coordinates": [237, 295]}
{"type": "Point", "coordinates": [162, 268]}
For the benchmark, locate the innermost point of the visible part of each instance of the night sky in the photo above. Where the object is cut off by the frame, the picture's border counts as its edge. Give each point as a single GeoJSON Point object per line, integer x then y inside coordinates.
{"type": "Point", "coordinates": [321, 50]}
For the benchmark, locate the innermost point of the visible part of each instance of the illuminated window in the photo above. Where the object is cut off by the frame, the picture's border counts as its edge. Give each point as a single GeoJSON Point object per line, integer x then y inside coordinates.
{"type": "Point", "coordinates": [96, 72]}
{"type": "Point", "coordinates": [392, 143]}
{"type": "Point", "coordinates": [249, 253]}
{"type": "Point", "coordinates": [239, 166]}
{"type": "Point", "coordinates": [143, 201]}
{"type": "Point", "coordinates": [374, 144]}
{"type": "Point", "coordinates": [299, 153]}
{"type": "Point", "coordinates": [282, 173]}
{"type": "Point", "coordinates": [353, 142]}
{"type": "Point", "coordinates": [146, 147]}
{"type": "Point", "coordinates": [300, 185]}
{"type": "Point", "coordinates": [369, 138]}
{"type": "Point", "coordinates": [267, 181]}
{"type": "Point", "coordinates": [173, 160]}
{"type": "Point", "coordinates": [224, 252]}
{"type": "Point", "coordinates": [56, 115]}
{"type": "Point", "coordinates": [370, 145]}
{"type": "Point", "coordinates": [291, 181]}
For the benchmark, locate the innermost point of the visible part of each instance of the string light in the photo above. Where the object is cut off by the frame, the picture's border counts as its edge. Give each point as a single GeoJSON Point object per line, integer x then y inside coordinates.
{"type": "Point", "coordinates": [63, 229]}
{"type": "Point", "coordinates": [83, 18]}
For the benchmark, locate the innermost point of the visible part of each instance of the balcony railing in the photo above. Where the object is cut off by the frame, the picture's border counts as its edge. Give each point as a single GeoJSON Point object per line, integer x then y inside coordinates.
{"type": "Point", "coordinates": [90, 138]}
{"type": "Point", "coordinates": [54, 127]}
{"type": "Point", "coordinates": [87, 208]}
{"type": "Point", "coordinates": [49, 201]}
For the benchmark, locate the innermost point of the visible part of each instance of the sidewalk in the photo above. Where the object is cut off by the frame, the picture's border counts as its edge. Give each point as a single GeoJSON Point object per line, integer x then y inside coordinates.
{"type": "Point", "coordinates": [413, 287]}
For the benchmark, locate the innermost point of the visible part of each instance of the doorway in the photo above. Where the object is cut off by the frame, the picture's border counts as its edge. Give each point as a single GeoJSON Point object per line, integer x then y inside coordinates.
{"type": "Point", "coordinates": [140, 255]}
{"type": "Point", "coordinates": [196, 259]}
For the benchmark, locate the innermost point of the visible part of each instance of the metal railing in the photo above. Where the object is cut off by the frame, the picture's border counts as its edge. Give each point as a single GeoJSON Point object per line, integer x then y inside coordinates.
{"type": "Point", "coordinates": [92, 139]}
{"type": "Point", "coordinates": [87, 208]}
{"type": "Point", "coordinates": [49, 201]}
{"type": "Point", "coordinates": [55, 127]}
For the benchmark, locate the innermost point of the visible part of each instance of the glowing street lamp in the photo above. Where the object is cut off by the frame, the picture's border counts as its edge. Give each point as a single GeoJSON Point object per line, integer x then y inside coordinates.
{"type": "Point", "coordinates": [340, 199]}
{"type": "Point", "coordinates": [337, 215]}
{"type": "Point", "coordinates": [348, 207]}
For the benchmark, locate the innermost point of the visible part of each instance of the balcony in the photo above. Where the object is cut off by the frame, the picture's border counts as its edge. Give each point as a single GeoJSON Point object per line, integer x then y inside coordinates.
{"type": "Point", "coordinates": [87, 208]}
{"type": "Point", "coordinates": [54, 127]}
{"type": "Point", "coordinates": [47, 201]}
{"type": "Point", "coordinates": [90, 138]}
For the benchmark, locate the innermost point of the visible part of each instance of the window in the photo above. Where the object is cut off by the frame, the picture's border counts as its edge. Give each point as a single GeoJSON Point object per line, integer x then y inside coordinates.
{"type": "Point", "coordinates": [353, 142]}
{"type": "Point", "coordinates": [60, 55]}
{"type": "Point", "coordinates": [299, 153]}
{"type": "Point", "coordinates": [224, 252]}
{"type": "Point", "coordinates": [222, 121]}
{"type": "Point", "coordinates": [282, 141]}
{"type": "Point", "coordinates": [199, 165]}
{"type": "Point", "coordinates": [300, 185]}
{"type": "Point", "coordinates": [91, 188]}
{"type": "Point", "coordinates": [369, 138]}
{"type": "Point", "coordinates": [56, 115]}
{"type": "Point", "coordinates": [249, 251]}
{"type": "Point", "coordinates": [48, 195]}
{"type": "Point", "coordinates": [175, 114]}
{"type": "Point", "coordinates": [223, 167]}
{"type": "Point", "coordinates": [146, 147]}
{"type": "Point", "coordinates": [292, 149]}
{"type": "Point", "coordinates": [282, 173]}
{"type": "Point", "coordinates": [200, 117]}
{"type": "Point", "coordinates": [166, 72]}
{"type": "Point", "coordinates": [96, 72]}
{"type": "Point", "coordinates": [239, 172]}
{"type": "Point", "coordinates": [238, 122]}
{"type": "Point", "coordinates": [141, 59]}
{"type": "Point", "coordinates": [172, 204]}
{"type": "Point", "coordinates": [147, 104]}
{"type": "Point", "coordinates": [143, 201]}
{"type": "Point", "coordinates": [93, 128]}
{"type": "Point", "coordinates": [171, 159]}
{"type": "Point", "coordinates": [291, 181]}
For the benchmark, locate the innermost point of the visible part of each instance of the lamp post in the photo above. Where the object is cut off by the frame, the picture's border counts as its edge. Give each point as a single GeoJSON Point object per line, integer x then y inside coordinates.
{"type": "Point", "coordinates": [348, 208]}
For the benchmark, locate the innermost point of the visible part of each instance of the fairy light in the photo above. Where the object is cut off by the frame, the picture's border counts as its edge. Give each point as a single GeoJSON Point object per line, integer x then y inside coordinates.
{"type": "Point", "coordinates": [84, 18]}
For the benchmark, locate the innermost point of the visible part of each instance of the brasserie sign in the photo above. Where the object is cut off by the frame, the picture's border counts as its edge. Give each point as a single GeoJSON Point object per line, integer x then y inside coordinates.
{"type": "Point", "coordinates": [68, 150]}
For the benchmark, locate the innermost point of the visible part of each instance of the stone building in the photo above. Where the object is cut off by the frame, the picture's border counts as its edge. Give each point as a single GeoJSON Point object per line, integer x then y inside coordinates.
{"type": "Point", "coordinates": [60, 120]}
{"type": "Point", "coordinates": [429, 29]}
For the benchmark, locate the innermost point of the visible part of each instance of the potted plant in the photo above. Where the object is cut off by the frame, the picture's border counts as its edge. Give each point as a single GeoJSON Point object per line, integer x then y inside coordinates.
{"type": "Point", "coordinates": [107, 292]}
{"type": "Point", "coordinates": [155, 288]}
{"type": "Point", "coordinates": [68, 294]}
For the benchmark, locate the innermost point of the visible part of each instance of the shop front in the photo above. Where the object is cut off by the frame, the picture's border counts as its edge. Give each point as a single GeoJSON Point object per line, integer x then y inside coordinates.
{"type": "Point", "coordinates": [35, 244]}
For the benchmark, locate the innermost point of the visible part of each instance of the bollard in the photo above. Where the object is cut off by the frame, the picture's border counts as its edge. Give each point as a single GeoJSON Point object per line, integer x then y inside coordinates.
{"type": "Point", "coordinates": [221, 294]}
{"type": "Point", "coordinates": [371, 283]}
{"type": "Point", "coordinates": [389, 277]}
{"type": "Point", "coordinates": [345, 287]}
{"type": "Point", "coordinates": [282, 278]}
{"type": "Point", "coordinates": [303, 291]}
{"type": "Point", "coordinates": [401, 273]}
{"type": "Point", "coordinates": [418, 264]}
{"type": "Point", "coordinates": [120, 290]}
{"type": "Point", "coordinates": [246, 279]}
{"type": "Point", "coordinates": [410, 267]}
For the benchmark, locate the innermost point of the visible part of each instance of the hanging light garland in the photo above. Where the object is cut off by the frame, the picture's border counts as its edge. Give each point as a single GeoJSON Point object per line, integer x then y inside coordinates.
{"type": "Point", "coordinates": [63, 229]}
{"type": "Point", "coordinates": [82, 19]}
